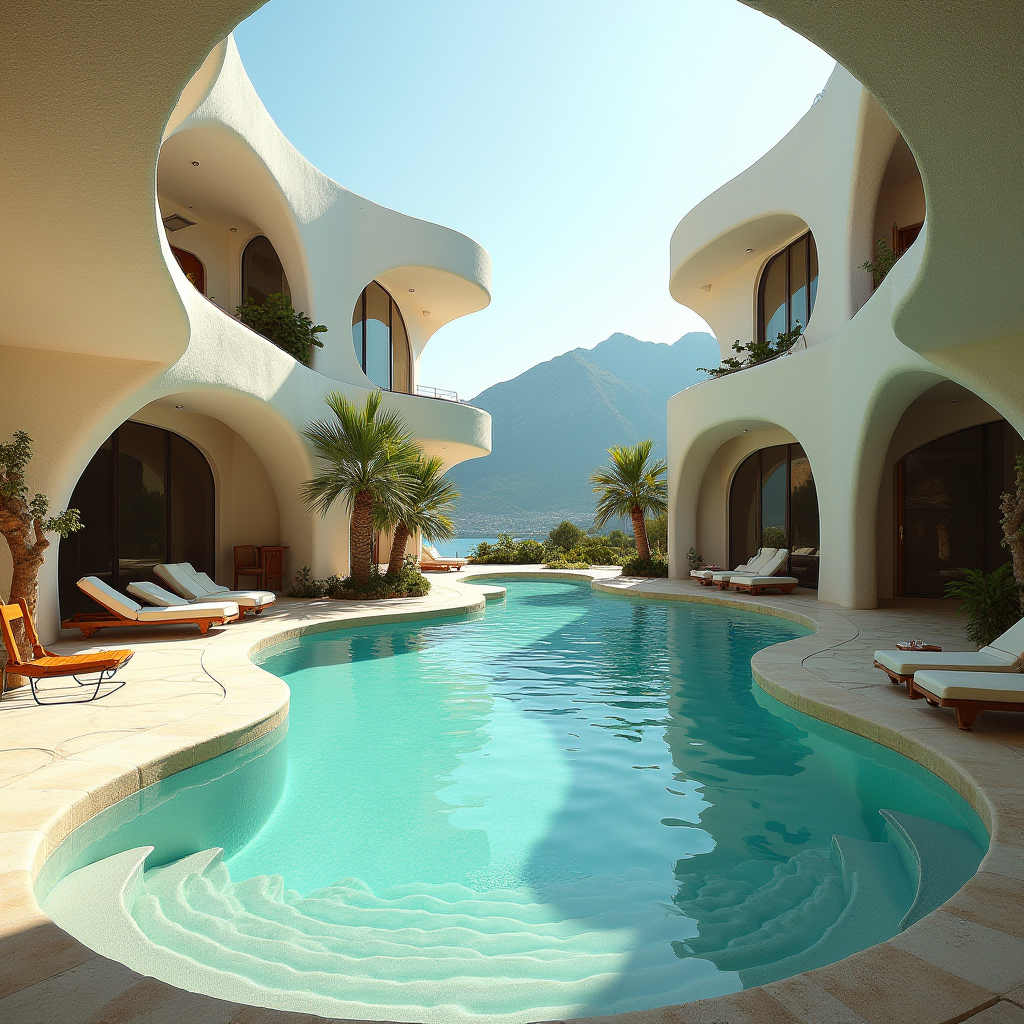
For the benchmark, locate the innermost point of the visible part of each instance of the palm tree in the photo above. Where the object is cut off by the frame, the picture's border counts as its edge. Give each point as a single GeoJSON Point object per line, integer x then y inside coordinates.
{"type": "Point", "coordinates": [631, 486]}
{"type": "Point", "coordinates": [431, 501]}
{"type": "Point", "coordinates": [369, 461]}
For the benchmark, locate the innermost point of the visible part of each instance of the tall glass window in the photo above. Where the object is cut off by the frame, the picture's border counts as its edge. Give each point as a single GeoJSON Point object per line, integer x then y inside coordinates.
{"type": "Point", "coordinates": [948, 506]}
{"type": "Point", "coordinates": [147, 496]}
{"type": "Point", "coordinates": [380, 339]}
{"type": "Point", "coordinates": [773, 503]}
{"type": "Point", "coordinates": [787, 289]}
{"type": "Point", "coordinates": [262, 271]}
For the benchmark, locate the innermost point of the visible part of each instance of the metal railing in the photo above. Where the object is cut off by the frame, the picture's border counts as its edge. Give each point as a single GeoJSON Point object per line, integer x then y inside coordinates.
{"type": "Point", "coordinates": [441, 393]}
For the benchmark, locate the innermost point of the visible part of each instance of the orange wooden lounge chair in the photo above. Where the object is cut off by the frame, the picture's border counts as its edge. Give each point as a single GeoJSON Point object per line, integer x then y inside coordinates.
{"type": "Point", "coordinates": [46, 665]}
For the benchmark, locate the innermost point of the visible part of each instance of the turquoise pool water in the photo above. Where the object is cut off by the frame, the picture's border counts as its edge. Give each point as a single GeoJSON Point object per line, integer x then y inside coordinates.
{"type": "Point", "coordinates": [571, 804]}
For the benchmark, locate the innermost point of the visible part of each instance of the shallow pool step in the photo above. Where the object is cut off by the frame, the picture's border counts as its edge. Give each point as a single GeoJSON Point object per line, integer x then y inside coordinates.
{"type": "Point", "coordinates": [937, 858]}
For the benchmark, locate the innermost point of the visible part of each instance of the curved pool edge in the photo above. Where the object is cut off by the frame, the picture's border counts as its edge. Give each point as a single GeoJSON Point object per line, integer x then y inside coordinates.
{"type": "Point", "coordinates": [954, 963]}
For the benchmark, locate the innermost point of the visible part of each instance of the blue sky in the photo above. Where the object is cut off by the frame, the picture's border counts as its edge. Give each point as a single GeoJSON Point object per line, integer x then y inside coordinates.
{"type": "Point", "coordinates": [568, 137]}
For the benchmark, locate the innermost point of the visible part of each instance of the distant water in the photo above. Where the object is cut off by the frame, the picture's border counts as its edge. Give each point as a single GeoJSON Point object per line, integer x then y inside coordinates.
{"type": "Point", "coordinates": [460, 547]}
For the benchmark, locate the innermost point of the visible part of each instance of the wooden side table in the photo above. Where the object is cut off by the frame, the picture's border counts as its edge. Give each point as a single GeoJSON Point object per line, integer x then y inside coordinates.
{"type": "Point", "coordinates": [272, 563]}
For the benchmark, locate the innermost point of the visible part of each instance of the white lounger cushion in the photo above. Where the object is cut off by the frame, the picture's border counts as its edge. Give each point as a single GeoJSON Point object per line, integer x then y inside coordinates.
{"type": "Point", "coordinates": [180, 581]}
{"type": "Point", "coordinates": [104, 594]}
{"type": "Point", "coordinates": [701, 574]}
{"type": "Point", "coordinates": [190, 612]}
{"type": "Point", "coordinates": [154, 595]}
{"type": "Point", "coordinates": [754, 566]}
{"type": "Point", "coordinates": [429, 554]}
{"type": "Point", "coordinates": [972, 686]}
{"type": "Point", "coordinates": [764, 581]}
{"type": "Point", "coordinates": [770, 567]}
{"type": "Point", "coordinates": [906, 663]}
{"type": "Point", "coordinates": [107, 596]}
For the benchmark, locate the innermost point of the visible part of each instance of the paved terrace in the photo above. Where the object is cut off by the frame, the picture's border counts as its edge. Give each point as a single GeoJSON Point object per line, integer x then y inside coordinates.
{"type": "Point", "coordinates": [188, 699]}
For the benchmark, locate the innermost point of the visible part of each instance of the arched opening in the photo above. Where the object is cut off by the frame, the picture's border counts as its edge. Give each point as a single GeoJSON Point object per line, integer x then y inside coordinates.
{"type": "Point", "coordinates": [947, 506]}
{"type": "Point", "coordinates": [192, 267]}
{"type": "Point", "coordinates": [380, 339]}
{"type": "Point", "coordinates": [899, 213]}
{"type": "Point", "coordinates": [787, 289]}
{"type": "Point", "coordinates": [262, 271]}
{"type": "Point", "coordinates": [147, 496]}
{"type": "Point", "coordinates": [773, 503]}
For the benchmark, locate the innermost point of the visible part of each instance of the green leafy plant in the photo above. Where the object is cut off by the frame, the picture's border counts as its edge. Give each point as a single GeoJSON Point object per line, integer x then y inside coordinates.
{"type": "Point", "coordinates": [24, 522]}
{"type": "Point", "coordinates": [632, 486]}
{"type": "Point", "coordinates": [565, 563]}
{"type": "Point", "coordinates": [305, 586]}
{"type": "Point", "coordinates": [990, 600]}
{"type": "Point", "coordinates": [693, 560]}
{"type": "Point", "coordinates": [885, 260]}
{"type": "Point", "coordinates": [755, 352]}
{"type": "Point", "coordinates": [407, 582]}
{"type": "Point", "coordinates": [566, 535]}
{"type": "Point", "coordinates": [773, 537]}
{"type": "Point", "coordinates": [655, 567]}
{"type": "Point", "coordinates": [509, 551]}
{"type": "Point", "coordinates": [1012, 523]}
{"type": "Point", "coordinates": [277, 321]}
{"type": "Point", "coordinates": [369, 464]}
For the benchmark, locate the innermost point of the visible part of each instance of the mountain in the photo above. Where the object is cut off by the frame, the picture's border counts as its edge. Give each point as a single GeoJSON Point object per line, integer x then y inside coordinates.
{"type": "Point", "coordinates": [553, 424]}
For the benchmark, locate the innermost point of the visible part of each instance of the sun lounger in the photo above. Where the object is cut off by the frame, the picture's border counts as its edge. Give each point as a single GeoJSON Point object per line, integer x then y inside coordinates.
{"type": "Point", "coordinates": [1004, 654]}
{"type": "Point", "coordinates": [431, 561]}
{"type": "Point", "coordinates": [197, 586]}
{"type": "Point", "coordinates": [758, 568]}
{"type": "Point", "coordinates": [766, 578]}
{"type": "Point", "coordinates": [756, 564]}
{"type": "Point", "coordinates": [47, 665]}
{"type": "Point", "coordinates": [969, 693]}
{"type": "Point", "coordinates": [123, 611]}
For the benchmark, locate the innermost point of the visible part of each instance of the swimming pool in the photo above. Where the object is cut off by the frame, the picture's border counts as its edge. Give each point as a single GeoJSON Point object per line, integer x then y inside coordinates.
{"type": "Point", "coordinates": [571, 804]}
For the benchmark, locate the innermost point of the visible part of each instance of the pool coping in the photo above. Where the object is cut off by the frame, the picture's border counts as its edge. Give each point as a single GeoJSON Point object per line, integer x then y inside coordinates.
{"type": "Point", "coordinates": [956, 963]}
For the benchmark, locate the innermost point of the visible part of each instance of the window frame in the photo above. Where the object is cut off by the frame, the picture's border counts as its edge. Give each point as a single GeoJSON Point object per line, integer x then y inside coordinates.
{"type": "Point", "coordinates": [393, 309]}
{"type": "Point", "coordinates": [784, 252]}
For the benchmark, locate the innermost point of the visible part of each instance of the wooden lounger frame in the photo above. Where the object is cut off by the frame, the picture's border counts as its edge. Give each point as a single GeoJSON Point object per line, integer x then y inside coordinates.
{"type": "Point", "coordinates": [966, 710]}
{"type": "Point", "coordinates": [92, 622]}
{"type": "Point", "coordinates": [897, 680]}
{"type": "Point", "coordinates": [785, 588]}
{"type": "Point", "coordinates": [440, 566]}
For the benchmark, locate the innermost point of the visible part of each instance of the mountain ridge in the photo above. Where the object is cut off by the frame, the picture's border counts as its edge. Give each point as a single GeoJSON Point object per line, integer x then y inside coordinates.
{"type": "Point", "coordinates": [553, 423]}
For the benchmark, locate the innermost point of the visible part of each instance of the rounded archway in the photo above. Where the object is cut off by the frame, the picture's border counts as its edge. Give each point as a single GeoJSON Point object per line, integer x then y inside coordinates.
{"type": "Point", "coordinates": [262, 271]}
{"type": "Point", "coordinates": [787, 288]}
{"type": "Point", "coordinates": [147, 496]}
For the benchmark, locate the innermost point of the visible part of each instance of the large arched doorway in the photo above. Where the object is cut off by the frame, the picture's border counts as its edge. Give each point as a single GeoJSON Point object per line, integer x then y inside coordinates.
{"type": "Point", "coordinates": [773, 503]}
{"type": "Point", "coordinates": [262, 271]}
{"type": "Point", "coordinates": [147, 496]}
{"type": "Point", "coordinates": [947, 506]}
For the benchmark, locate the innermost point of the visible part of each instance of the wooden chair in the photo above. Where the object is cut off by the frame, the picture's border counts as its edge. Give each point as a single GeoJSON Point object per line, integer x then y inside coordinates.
{"type": "Point", "coordinates": [46, 665]}
{"type": "Point", "coordinates": [247, 563]}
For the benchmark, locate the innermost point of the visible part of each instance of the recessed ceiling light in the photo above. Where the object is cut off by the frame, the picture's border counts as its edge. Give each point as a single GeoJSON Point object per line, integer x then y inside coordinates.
{"type": "Point", "coordinates": [232, 230]}
{"type": "Point", "coordinates": [195, 163]}
{"type": "Point", "coordinates": [179, 407]}
{"type": "Point", "coordinates": [411, 290]}
{"type": "Point", "coordinates": [426, 312]}
{"type": "Point", "coordinates": [744, 431]}
{"type": "Point", "coordinates": [750, 250]}
{"type": "Point", "coordinates": [175, 222]}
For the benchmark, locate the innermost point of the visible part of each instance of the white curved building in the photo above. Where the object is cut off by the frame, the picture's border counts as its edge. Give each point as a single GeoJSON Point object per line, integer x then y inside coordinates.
{"type": "Point", "coordinates": [877, 448]}
{"type": "Point", "coordinates": [172, 426]}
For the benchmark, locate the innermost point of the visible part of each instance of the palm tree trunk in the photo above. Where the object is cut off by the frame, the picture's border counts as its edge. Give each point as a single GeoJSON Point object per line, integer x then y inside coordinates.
{"type": "Point", "coordinates": [398, 546]}
{"type": "Point", "coordinates": [643, 547]}
{"type": "Point", "coordinates": [361, 537]}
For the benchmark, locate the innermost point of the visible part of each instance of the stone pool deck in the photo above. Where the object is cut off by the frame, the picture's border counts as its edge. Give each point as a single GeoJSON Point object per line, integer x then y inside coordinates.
{"type": "Point", "coordinates": [189, 698]}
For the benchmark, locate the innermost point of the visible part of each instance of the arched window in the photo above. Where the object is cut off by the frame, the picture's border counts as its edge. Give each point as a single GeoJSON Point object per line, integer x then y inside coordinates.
{"type": "Point", "coordinates": [262, 272]}
{"type": "Point", "coordinates": [787, 289]}
{"type": "Point", "coordinates": [146, 497]}
{"type": "Point", "coordinates": [773, 503]}
{"type": "Point", "coordinates": [380, 339]}
{"type": "Point", "coordinates": [947, 506]}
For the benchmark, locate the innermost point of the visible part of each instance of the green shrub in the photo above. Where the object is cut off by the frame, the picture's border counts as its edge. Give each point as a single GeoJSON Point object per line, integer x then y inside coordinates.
{"type": "Point", "coordinates": [509, 552]}
{"type": "Point", "coordinates": [885, 260]}
{"type": "Point", "coordinates": [567, 535]}
{"type": "Point", "coordinates": [529, 552]}
{"type": "Point", "coordinates": [655, 566]}
{"type": "Point", "coordinates": [305, 586]}
{"type": "Point", "coordinates": [564, 563]}
{"type": "Point", "coordinates": [773, 537]}
{"type": "Point", "coordinates": [990, 600]}
{"type": "Point", "coordinates": [277, 321]}
{"type": "Point", "coordinates": [407, 582]}
{"type": "Point", "coordinates": [601, 554]}
{"type": "Point", "coordinates": [693, 560]}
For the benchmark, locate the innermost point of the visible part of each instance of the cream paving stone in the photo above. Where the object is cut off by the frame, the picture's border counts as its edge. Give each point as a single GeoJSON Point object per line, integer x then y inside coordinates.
{"type": "Point", "coordinates": [992, 900]}
{"type": "Point", "coordinates": [16, 763]}
{"type": "Point", "coordinates": [22, 851]}
{"type": "Point", "coordinates": [972, 951]}
{"type": "Point", "coordinates": [1002, 1013]}
{"type": "Point", "coordinates": [811, 1004]}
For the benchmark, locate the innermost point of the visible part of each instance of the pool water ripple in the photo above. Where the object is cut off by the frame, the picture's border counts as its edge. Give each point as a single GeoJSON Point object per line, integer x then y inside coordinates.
{"type": "Point", "coordinates": [568, 805]}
